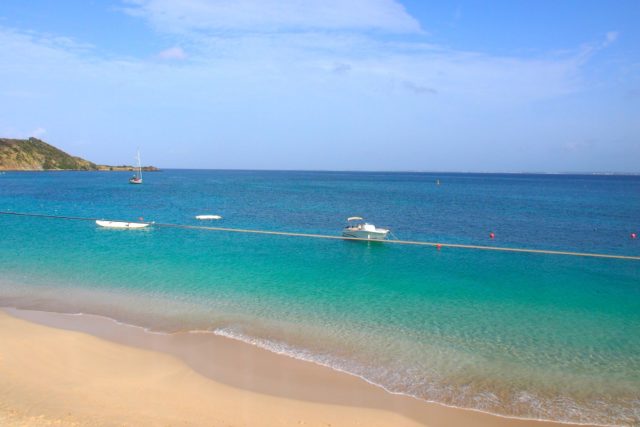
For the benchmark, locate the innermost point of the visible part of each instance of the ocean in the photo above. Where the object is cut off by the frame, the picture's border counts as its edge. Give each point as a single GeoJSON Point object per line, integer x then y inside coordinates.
{"type": "Point", "coordinates": [516, 334]}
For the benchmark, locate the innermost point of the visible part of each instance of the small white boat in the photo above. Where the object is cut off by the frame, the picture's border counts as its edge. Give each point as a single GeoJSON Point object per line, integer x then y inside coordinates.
{"type": "Point", "coordinates": [208, 217]}
{"type": "Point", "coordinates": [137, 177]}
{"type": "Point", "coordinates": [359, 229]}
{"type": "Point", "coordinates": [121, 224]}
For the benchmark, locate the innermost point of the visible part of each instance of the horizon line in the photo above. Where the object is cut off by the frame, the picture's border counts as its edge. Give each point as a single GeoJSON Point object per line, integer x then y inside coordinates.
{"type": "Point", "coordinates": [626, 173]}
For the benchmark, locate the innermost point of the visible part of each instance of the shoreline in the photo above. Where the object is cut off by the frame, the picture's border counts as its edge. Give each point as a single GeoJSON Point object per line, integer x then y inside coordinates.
{"type": "Point", "coordinates": [105, 169]}
{"type": "Point", "coordinates": [274, 389]}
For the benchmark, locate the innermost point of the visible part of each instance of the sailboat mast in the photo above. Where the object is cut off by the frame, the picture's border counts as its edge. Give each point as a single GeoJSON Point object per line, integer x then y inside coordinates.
{"type": "Point", "coordinates": [139, 166]}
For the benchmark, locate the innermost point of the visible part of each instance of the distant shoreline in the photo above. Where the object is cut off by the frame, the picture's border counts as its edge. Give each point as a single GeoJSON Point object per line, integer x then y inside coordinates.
{"type": "Point", "coordinates": [34, 154]}
{"type": "Point", "coordinates": [156, 169]}
{"type": "Point", "coordinates": [101, 169]}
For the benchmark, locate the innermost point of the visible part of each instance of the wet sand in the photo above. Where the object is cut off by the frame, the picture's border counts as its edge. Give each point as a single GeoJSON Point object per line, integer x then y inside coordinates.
{"type": "Point", "coordinates": [60, 369]}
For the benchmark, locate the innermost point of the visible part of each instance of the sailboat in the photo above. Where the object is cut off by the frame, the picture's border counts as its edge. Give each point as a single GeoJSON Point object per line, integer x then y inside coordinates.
{"type": "Point", "coordinates": [137, 177]}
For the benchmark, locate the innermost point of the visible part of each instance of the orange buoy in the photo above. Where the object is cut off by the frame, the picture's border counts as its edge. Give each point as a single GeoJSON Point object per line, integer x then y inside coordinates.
{"type": "Point", "coordinates": [492, 235]}
{"type": "Point", "coordinates": [634, 235]}
{"type": "Point", "coordinates": [438, 246]}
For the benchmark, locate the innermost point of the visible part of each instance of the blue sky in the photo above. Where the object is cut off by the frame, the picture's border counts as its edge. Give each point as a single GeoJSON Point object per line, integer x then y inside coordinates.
{"type": "Point", "coordinates": [337, 84]}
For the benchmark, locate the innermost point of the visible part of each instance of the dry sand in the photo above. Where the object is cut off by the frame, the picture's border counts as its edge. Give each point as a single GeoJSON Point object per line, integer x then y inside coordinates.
{"type": "Point", "coordinates": [53, 372]}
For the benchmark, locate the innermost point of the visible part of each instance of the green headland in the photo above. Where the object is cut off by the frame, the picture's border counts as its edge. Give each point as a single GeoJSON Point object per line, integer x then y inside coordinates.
{"type": "Point", "coordinates": [34, 154]}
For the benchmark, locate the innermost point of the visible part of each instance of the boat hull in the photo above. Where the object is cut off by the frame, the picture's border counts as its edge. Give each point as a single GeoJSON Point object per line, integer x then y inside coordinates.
{"type": "Point", "coordinates": [365, 234]}
{"type": "Point", "coordinates": [122, 224]}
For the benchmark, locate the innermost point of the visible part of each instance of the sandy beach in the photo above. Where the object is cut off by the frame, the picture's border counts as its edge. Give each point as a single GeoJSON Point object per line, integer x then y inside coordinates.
{"type": "Point", "coordinates": [60, 369]}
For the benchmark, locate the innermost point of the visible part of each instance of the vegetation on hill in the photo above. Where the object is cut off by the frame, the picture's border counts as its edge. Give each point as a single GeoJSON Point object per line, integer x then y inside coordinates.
{"type": "Point", "coordinates": [34, 154]}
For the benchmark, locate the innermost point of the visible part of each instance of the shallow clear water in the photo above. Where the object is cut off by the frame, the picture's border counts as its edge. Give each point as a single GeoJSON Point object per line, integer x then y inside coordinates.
{"type": "Point", "coordinates": [517, 334]}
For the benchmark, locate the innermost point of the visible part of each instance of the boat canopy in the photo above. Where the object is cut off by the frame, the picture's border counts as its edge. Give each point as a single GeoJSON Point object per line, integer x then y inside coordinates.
{"type": "Point", "coordinates": [354, 218]}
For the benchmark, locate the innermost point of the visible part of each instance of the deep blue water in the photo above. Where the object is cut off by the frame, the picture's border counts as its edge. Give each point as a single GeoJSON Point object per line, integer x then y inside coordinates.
{"type": "Point", "coordinates": [528, 335]}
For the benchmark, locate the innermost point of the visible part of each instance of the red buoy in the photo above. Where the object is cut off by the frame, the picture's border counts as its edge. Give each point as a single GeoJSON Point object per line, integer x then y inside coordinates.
{"type": "Point", "coordinates": [438, 246]}
{"type": "Point", "coordinates": [491, 235]}
{"type": "Point", "coordinates": [634, 235]}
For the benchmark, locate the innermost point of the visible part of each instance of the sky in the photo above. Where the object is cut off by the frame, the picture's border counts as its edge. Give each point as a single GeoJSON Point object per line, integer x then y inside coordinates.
{"type": "Point", "coordinates": [388, 85]}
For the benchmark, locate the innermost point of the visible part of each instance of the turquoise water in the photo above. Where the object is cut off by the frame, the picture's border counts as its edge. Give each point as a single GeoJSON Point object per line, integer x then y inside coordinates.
{"type": "Point", "coordinates": [522, 335]}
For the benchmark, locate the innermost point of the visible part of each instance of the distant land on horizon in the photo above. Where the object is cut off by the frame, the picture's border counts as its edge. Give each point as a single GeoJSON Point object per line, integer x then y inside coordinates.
{"type": "Point", "coordinates": [584, 173]}
{"type": "Point", "coordinates": [34, 154]}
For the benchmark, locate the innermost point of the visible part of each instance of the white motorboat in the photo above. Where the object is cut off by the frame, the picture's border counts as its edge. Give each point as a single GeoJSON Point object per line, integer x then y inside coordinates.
{"type": "Point", "coordinates": [208, 217]}
{"type": "Point", "coordinates": [359, 229]}
{"type": "Point", "coordinates": [122, 224]}
{"type": "Point", "coordinates": [137, 177]}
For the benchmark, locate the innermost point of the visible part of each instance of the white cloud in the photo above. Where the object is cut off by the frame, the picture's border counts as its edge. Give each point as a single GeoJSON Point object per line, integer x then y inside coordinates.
{"type": "Point", "coordinates": [296, 41]}
{"type": "Point", "coordinates": [273, 80]}
{"type": "Point", "coordinates": [292, 61]}
{"type": "Point", "coordinates": [173, 53]}
{"type": "Point", "coordinates": [12, 132]}
{"type": "Point", "coordinates": [271, 15]}
{"type": "Point", "coordinates": [610, 37]}
{"type": "Point", "coordinates": [38, 132]}
{"type": "Point", "coordinates": [419, 89]}
{"type": "Point", "coordinates": [589, 49]}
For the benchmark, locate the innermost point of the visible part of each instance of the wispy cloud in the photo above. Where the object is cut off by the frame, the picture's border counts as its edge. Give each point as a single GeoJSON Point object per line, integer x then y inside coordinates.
{"type": "Point", "coordinates": [173, 53]}
{"type": "Point", "coordinates": [38, 132]}
{"type": "Point", "coordinates": [610, 37]}
{"type": "Point", "coordinates": [274, 15]}
{"type": "Point", "coordinates": [419, 89]}
{"type": "Point", "coordinates": [8, 131]}
{"type": "Point", "coordinates": [587, 50]}
{"type": "Point", "coordinates": [580, 145]}
{"type": "Point", "coordinates": [361, 62]}
{"type": "Point", "coordinates": [341, 68]}
{"type": "Point", "coordinates": [295, 40]}
{"type": "Point", "coordinates": [292, 62]}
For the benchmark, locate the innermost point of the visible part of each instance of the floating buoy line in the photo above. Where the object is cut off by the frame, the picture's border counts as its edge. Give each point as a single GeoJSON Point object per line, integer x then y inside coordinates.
{"type": "Point", "coordinates": [437, 245]}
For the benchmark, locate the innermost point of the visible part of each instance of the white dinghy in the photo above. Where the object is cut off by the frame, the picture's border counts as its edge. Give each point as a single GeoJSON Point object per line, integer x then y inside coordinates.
{"type": "Point", "coordinates": [203, 217]}
{"type": "Point", "coordinates": [122, 224]}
